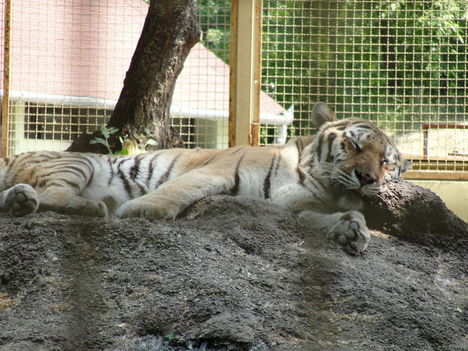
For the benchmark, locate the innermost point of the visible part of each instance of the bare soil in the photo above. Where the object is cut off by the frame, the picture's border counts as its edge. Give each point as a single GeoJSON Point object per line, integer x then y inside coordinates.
{"type": "Point", "coordinates": [235, 274]}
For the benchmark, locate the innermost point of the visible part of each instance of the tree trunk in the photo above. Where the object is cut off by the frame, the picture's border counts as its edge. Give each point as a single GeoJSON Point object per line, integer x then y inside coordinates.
{"type": "Point", "coordinates": [142, 111]}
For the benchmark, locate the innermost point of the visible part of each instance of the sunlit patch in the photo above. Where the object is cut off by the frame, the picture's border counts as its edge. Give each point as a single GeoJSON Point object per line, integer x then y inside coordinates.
{"type": "Point", "coordinates": [381, 235]}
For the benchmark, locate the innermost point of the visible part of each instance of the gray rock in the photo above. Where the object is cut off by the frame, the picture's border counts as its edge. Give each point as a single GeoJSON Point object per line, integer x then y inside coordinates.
{"type": "Point", "coordinates": [234, 274]}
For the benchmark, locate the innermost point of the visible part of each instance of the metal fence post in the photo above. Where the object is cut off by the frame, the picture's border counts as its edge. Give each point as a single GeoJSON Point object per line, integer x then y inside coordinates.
{"type": "Point", "coordinates": [6, 79]}
{"type": "Point", "coordinates": [244, 128]}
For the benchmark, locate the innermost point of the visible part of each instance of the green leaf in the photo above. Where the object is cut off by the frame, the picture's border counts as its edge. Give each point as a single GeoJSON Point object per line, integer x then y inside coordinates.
{"type": "Point", "coordinates": [98, 140]}
{"type": "Point", "coordinates": [122, 152]}
{"type": "Point", "coordinates": [170, 337]}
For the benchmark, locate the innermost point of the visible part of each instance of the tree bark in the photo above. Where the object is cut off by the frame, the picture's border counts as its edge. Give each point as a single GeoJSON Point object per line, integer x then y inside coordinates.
{"type": "Point", "coordinates": [142, 111]}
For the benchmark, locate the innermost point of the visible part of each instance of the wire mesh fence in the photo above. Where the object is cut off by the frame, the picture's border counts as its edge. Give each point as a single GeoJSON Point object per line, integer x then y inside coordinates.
{"type": "Point", "coordinates": [200, 106]}
{"type": "Point", "coordinates": [69, 59]}
{"type": "Point", "coordinates": [402, 64]}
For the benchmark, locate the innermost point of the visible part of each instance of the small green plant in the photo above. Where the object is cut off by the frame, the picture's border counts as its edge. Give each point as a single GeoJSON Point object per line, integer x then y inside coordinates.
{"type": "Point", "coordinates": [106, 133]}
{"type": "Point", "coordinates": [171, 337]}
{"type": "Point", "coordinates": [129, 147]}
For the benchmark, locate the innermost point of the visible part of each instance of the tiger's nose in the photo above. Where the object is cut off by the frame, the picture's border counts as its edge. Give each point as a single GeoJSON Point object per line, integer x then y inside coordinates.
{"type": "Point", "coordinates": [365, 178]}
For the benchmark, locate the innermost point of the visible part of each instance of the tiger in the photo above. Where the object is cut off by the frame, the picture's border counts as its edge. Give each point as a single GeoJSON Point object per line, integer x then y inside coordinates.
{"type": "Point", "coordinates": [324, 177]}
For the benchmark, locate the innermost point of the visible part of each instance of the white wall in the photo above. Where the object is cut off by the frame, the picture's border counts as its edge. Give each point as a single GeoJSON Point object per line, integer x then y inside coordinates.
{"type": "Point", "coordinates": [454, 193]}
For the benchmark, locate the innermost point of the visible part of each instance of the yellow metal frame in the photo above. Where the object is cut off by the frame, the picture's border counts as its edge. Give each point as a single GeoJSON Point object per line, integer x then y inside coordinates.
{"type": "Point", "coordinates": [6, 79]}
{"type": "Point", "coordinates": [245, 70]}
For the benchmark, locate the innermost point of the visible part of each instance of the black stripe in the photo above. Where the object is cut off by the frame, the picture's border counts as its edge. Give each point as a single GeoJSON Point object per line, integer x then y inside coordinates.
{"type": "Point", "coordinates": [76, 170]}
{"type": "Point", "coordinates": [121, 162]}
{"type": "Point", "coordinates": [32, 158]}
{"type": "Point", "coordinates": [299, 145]}
{"type": "Point", "coordinates": [235, 150]}
{"type": "Point", "coordinates": [72, 184]}
{"type": "Point", "coordinates": [151, 168]}
{"type": "Point", "coordinates": [125, 183]}
{"type": "Point", "coordinates": [365, 126]}
{"type": "Point", "coordinates": [33, 183]}
{"type": "Point", "coordinates": [134, 174]}
{"type": "Point", "coordinates": [67, 161]}
{"type": "Point", "coordinates": [13, 161]}
{"type": "Point", "coordinates": [235, 189]}
{"type": "Point", "coordinates": [122, 176]}
{"type": "Point", "coordinates": [143, 190]}
{"type": "Point", "coordinates": [166, 174]}
{"type": "Point", "coordinates": [209, 160]}
{"type": "Point", "coordinates": [331, 138]}
{"type": "Point", "coordinates": [300, 174]}
{"type": "Point", "coordinates": [277, 165]}
{"type": "Point", "coordinates": [135, 168]}
{"type": "Point", "coordinates": [54, 173]}
{"type": "Point", "coordinates": [300, 148]}
{"type": "Point", "coordinates": [336, 124]}
{"type": "Point", "coordinates": [319, 148]}
{"type": "Point", "coordinates": [343, 146]}
{"type": "Point", "coordinates": [267, 181]}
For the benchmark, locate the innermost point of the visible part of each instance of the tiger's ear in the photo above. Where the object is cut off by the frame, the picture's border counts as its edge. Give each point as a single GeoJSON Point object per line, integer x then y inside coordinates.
{"type": "Point", "coordinates": [321, 113]}
{"type": "Point", "coordinates": [407, 164]}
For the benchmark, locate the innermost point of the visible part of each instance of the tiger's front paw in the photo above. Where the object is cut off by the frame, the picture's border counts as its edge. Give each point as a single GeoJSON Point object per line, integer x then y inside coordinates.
{"type": "Point", "coordinates": [145, 209]}
{"type": "Point", "coordinates": [21, 200]}
{"type": "Point", "coordinates": [351, 232]}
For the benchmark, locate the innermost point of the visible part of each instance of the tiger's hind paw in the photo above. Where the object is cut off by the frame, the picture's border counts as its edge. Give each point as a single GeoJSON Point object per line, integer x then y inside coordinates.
{"type": "Point", "coordinates": [351, 233]}
{"type": "Point", "coordinates": [21, 200]}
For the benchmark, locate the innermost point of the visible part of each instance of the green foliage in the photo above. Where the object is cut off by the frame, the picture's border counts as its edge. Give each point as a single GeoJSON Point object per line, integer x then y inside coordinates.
{"type": "Point", "coordinates": [106, 133]}
{"type": "Point", "coordinates": [128, 146]}
{"type": "Point", "coordinates": [403, 43]}
{"type": "Point", "coordinates": [411, 55]}
{"type": "Point", "coordinates": [392, 58]}
{"type": "Point", "coordinates": [171, 337]}
{"type": "Point", "coordinates": [214, 21]}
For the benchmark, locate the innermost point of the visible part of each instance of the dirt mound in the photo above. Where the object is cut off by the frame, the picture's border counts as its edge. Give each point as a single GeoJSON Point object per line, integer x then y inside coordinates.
{"type": "Point", "coordinates": [233, 274]}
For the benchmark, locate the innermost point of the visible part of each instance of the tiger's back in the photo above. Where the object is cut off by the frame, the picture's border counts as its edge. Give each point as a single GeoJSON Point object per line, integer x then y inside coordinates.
{"type": "Point", "coordinates": [115, 180]}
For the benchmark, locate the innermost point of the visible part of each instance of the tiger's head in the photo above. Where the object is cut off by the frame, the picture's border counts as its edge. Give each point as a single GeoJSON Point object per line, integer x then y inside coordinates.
{"type": "Point", "coordinates": [353, 154]}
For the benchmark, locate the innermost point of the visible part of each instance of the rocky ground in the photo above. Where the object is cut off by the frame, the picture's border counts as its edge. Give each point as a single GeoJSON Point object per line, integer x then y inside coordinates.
{"type": "Point", "coordinates": [235, 274]}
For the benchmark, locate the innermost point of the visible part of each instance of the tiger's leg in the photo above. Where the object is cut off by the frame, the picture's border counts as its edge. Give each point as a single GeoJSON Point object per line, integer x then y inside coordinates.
{"type": "Point", "coordinates": [19, 200]}
{"type": "Point", "coordinates": [62, 200]}
{"type": "Point", "coordinates": [347, 229]}
{"type": "Point", "coordinates": [171, 198]}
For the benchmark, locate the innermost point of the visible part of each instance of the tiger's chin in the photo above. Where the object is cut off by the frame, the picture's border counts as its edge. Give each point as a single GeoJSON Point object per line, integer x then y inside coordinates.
{"type": "Point", "coordinates": [364, 192]}
{"type": "Point", "coordinates": [350, 200]}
